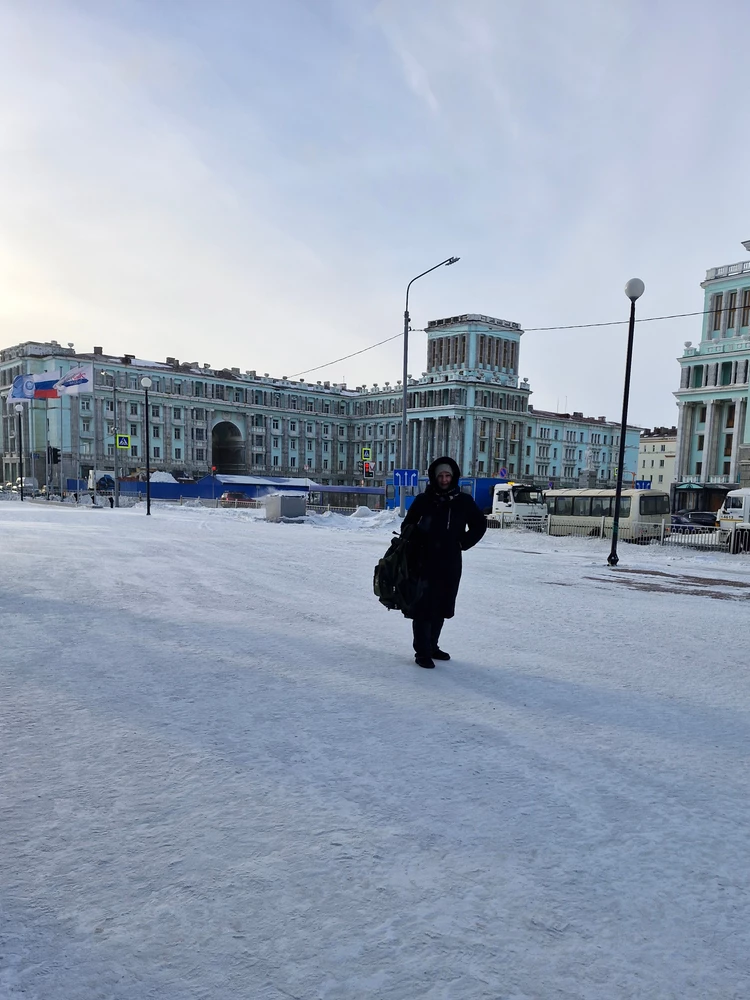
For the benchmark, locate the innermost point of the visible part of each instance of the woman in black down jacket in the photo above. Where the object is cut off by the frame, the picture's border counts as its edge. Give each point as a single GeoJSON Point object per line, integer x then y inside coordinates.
{"type": "Point", "coordinates": [446, 523]}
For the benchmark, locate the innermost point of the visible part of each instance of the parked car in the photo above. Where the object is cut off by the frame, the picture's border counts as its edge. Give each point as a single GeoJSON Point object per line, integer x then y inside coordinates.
{"type": "Point", "coordinates": [234, 499]}
{"type": "Point", "coordinates": [693, 520]}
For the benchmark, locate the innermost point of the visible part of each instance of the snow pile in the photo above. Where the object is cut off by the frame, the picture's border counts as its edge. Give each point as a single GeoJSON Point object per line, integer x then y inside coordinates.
{"type": "Point", "coordinates": [162, 477]}
{"type": "Point", "coordinates": [362, 518]}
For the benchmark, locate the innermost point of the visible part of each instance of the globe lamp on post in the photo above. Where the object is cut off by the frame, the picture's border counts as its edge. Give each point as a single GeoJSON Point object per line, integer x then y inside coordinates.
{"type": "Point", "coordinates": [634, 289]}
{"type": "Point", "coordinates": [146, 384]}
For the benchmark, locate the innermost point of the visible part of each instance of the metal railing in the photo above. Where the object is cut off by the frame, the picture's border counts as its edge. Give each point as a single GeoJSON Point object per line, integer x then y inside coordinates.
{"type": "Point", "coordinates": [735, 539]}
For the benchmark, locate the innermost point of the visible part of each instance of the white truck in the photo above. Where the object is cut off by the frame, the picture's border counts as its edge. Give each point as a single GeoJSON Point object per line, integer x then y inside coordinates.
{"type": "Point", "coordinates": [519, 503]}
{"type": "Point", "coordinates": [735, 509]}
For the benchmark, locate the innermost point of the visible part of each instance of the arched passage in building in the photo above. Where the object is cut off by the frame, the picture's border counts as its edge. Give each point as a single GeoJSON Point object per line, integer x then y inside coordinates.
{"type": "Point", "coordinates": [227, 449]}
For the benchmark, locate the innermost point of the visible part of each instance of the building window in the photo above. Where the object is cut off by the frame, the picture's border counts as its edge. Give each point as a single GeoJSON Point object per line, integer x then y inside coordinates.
{"type": "Point", "coordinates": [177, 432]}
{"type": "Point", "coordinates": [661, 463]}
{"type": "Point", "coordinates": [200, 434]}
{"type": "Point", "coordinates": [276, 460]}
{"type": "Point", "coordinates": [661, 479]}
{"type": "Point", "coordinates": [293, 462]}
{"type": "Point", "coordinates": [293, 444]}
{"type": "Point", "coordinates": [701, 439]}
{"type": "Point", "coordinates": [110, 450]}
{"type": "Point", "coordinates": [727, 467]}
{"type": "Point", "coordinates": [155, 410]}
{"type": "Point", "coordinates": [134, 430]}
{"type": "Point", "coordinates": [134, 451]}
{"type": "Point", "coordinates": [745, 318]}
{"type": "Point", "coordinates": [730, 415]}
{"type": "Point", "coordinates": [702, 415]}
{"type": "Point", "coordinates": [698, 468]}
{"type": "Point", "coordinates": [177, 413]}
{"type": "Point", "coordinates": [157, 452]}
{"type": "Point", "coordinates": [178, 453]}
{"type": "Point", "coordinates": [85, 404]}
{"type": "Point", "coordinates": [728, 445]}
{"type": "Point", "coordinates": [133, 409]}
{"type": "Point", "coordinates": [200, 455]}
{"type": "Point", "coordinates": [325, 463]}
{"type": "Point", "coordinates": [86, 426]}
{"type": "Point", "coordinates": [274, 424]}
{"type": "Point", "coordinates": [731, 310]}
{"type": "Point", "coordinates": [156, 432]}
{"type": "Point", "coordinates": [292, 425]}
{"type": "Point", "coordinates": [276, 442]}
{"type": "Point", "coordinates": [716, 311]}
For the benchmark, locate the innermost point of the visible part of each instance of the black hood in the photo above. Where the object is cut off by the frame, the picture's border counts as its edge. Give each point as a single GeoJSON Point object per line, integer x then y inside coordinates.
{"type": "Point", "coordinates": [444, 461]}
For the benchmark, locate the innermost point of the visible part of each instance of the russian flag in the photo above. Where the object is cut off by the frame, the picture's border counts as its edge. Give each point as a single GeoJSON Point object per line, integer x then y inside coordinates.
{"type": "Point", "coordinates": [44, 385]}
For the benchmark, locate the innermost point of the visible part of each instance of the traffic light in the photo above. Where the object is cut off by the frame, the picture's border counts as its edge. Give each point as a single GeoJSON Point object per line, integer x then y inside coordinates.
{"type": "Point", "coordinates": [369, 470]}
{"type": "Point", "coordinates": [55, 456]}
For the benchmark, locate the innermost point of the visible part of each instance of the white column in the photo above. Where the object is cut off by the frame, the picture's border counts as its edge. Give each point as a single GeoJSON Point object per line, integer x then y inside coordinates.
{"type": "Point", "coordinates": [737, 434]}
{"type": "Point", "coordinates": [708, 436]}
{"type": "Point", "coordinates": [683, 414]}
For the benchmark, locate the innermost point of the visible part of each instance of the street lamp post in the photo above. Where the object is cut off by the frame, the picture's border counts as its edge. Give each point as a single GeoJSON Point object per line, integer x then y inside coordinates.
{"type": "Point", "coordinates": [404, 451]}
{"type": "Point", "coordinates": [114, 429]}
{"type": "Point", "coordinates": [634, 289]}
{"type": "Point", "coordinates": [146, 383]}
{"type": "Point", "coordinates": [19, 410]}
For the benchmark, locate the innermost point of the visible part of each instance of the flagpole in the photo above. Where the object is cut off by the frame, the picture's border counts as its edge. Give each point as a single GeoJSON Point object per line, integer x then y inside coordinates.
{"type": "Point", "coordinates": [46, 449]}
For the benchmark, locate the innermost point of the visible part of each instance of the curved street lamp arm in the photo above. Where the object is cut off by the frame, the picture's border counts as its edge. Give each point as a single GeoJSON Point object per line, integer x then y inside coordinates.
{"type": "Point", "coordinates": [447, 262]}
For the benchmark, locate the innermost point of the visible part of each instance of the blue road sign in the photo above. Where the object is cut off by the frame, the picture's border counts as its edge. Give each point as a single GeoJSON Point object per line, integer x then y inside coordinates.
{"type": "Point", "coordinates": [406, 477]}
{"type": "Point", "coordinates": [503, 473]}
{"type": "Point", "coordinates": [643, 484]}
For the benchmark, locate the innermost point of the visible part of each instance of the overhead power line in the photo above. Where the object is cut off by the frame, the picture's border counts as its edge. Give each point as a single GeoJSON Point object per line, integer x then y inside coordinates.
{"type": "Point", "coordinates": [528, 329]}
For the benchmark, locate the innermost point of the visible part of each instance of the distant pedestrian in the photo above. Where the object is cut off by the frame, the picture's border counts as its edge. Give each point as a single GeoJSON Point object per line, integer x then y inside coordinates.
{"type": "Point", "coordinates": [446, 523]}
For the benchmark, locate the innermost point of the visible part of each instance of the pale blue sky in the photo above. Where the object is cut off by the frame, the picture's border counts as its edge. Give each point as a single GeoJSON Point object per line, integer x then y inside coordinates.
{"type": "Point", "coordinates": [254, 183]}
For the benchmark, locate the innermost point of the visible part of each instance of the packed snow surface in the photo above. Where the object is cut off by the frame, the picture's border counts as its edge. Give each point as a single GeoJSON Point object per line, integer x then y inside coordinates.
{"type": "Point", "coordinates": [223, 776]}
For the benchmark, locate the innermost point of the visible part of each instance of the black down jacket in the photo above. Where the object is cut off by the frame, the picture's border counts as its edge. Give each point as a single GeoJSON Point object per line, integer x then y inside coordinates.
{"type": "Point", "coordinates": [446, 523]}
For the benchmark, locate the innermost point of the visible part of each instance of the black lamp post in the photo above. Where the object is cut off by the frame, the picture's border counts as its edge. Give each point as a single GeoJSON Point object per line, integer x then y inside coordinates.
{"type": "Point", "coordinates": [146, 383]}
{"type": "Point", "coordinates": [634, 289]}
{"type": "Point", "coordinates": [403, 453]}
{"type": "Point", "coordinates": [19, 410]}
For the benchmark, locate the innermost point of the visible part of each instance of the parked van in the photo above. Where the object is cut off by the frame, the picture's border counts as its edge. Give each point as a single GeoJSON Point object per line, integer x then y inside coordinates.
{"type": "Point", "coordinates": [30, 486]}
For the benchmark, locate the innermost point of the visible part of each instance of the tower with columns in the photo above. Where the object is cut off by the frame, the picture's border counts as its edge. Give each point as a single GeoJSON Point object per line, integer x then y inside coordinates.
{"type": "Point", "coordinates": [713, 421]}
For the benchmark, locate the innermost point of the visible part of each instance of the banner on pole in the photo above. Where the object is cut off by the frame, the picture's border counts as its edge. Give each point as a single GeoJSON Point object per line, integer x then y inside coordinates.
{"type": "Point", "coordinates": [77, 380]}
{"type": "Point", "coordinates": [39, 386]}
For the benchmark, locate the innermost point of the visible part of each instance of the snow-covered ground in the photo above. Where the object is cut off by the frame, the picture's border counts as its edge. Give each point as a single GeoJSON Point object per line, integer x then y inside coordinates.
{"type": "Point", "coordinates": [223, 777]}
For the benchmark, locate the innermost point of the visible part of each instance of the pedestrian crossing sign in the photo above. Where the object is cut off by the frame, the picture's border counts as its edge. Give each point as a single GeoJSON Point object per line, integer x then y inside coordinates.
{"type": "Point", "coordinates": [122, 441]}
{"type": "Point", "coordinates": [366, 454]}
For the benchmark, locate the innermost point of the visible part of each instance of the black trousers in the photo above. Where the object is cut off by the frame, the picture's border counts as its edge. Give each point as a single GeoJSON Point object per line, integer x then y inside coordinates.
{"type": "Point", "coordinates": [426, 635]}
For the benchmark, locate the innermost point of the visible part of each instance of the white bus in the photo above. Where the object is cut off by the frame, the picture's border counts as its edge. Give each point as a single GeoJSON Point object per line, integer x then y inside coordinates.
{"type": "Point", "coordinates": [518, 502]}
{"type": "Point", "coordinates": [591, 512]}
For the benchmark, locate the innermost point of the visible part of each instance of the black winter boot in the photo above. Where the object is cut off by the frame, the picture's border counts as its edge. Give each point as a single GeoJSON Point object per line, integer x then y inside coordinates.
{"type": "Point", "coordinates": [440, 654]}
{"type": "Point", "coordinates": [424, 661]}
